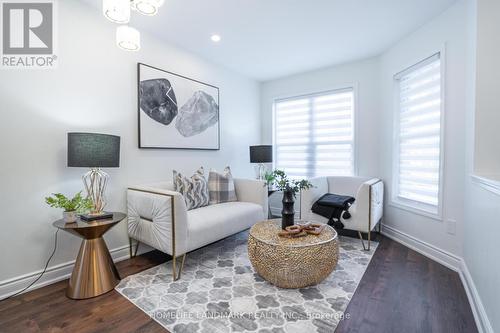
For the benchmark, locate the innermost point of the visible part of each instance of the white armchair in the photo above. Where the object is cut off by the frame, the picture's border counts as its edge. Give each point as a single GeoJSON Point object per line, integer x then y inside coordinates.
{"type": "Point", "coordinates": [366, 212]}
{"type": "Point", "coordinates": [157, 216]}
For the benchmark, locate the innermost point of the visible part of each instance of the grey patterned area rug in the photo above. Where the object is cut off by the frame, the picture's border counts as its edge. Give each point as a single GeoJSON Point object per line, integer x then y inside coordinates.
{"type": "Point", "coordinates": [219, 292]}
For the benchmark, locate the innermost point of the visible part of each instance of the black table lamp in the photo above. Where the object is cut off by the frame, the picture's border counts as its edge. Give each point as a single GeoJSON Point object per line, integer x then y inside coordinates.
{"type": "Point", "coordinates": [94, 151]}
{"type": "Point", "coordinates": [261, 154]}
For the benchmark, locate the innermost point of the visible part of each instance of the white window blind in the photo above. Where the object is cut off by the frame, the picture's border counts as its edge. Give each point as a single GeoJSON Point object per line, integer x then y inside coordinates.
{"type": "Point", "coordinates": [314, 134]}
{"type": "Point", "coordinates": [419, 139]}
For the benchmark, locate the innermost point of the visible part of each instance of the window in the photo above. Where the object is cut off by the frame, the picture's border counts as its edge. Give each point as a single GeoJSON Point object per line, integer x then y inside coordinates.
{"type": "Point", "coordinates": [418, 169]}
{"type": "Point", "coordinates": [314, 134]}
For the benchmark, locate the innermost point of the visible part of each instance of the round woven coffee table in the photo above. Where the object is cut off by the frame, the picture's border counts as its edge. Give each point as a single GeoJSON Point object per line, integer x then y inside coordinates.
{"type": "Point", "coordinates": [292, 262]}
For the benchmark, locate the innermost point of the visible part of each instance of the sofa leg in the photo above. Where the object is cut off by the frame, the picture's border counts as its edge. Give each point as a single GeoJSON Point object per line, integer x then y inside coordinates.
{"type": "Point", "coordinates": [132, 255]}
{"type": "Point", "coordinates": [379, 227]}
{"type": "Point", "coordinates": [363, 242]}
{"type": "Point", "coordinates": [177, 274]}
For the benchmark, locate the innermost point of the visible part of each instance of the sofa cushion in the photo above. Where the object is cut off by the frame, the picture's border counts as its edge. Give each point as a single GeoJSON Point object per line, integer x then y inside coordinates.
{"type": "Point", "coordinates": [193, 189]}
{"type": "Point", "coordinates": [211, 223]}
{"type": "Point", "coordinates": [221, 186]}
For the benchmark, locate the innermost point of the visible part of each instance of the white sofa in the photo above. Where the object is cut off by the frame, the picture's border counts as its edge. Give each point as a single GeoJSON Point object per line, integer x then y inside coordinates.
{"type": "Point", "coordinates": [366, 212]}
{"type": "Point", "coordinates": [157, 216]}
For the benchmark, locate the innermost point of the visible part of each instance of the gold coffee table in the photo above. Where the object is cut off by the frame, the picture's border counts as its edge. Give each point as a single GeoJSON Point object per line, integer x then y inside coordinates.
{"type": "Point", "coordinates": [94, 273]}
{"type": "Point", "coordinates": [292, 262]}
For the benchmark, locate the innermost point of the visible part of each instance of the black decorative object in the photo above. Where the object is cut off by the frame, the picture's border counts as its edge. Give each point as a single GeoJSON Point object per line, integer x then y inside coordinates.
{"type": "Point", "coordinates": [333, 206]}
{"type": "Point", "coordinates": [288, 212]}
{"type": "Point", "coordinates": [93, 217]}
{"type": "Point", "coordinates": [261, 154]}
{"type": "Point", "coordinates": [157, 100]}
{"type": "Point", "coordinates": [289, 187]}
{"type": "Point", "coordinates": [94, 151]}
{"type": "Point", "coordinates": [176, 112]}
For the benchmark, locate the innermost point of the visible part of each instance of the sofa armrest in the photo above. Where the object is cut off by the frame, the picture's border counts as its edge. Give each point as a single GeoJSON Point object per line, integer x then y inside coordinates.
{"type": "Point", "coordinates": [252, 190]}
{"type": "Point", "coordinates": [158, 218]}
{"type": "Point", "coordinates": [308, 197]}
{"type": "Point", "coordinates": [370, 200]}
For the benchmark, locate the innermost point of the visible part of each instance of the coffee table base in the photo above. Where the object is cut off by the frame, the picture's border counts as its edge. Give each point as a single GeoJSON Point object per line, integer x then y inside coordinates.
{"type": "Point", "coordinates": [94, 273]}
{"type": "Point", "coordinates": [293, 267]}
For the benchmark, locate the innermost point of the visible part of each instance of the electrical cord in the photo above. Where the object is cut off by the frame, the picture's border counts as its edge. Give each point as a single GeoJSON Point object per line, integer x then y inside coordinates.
{"type": "Point", "coordinates": [41, 274]}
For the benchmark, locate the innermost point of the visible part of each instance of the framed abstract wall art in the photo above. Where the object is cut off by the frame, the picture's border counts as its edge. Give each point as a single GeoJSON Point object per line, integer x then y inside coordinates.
{"type": "Point", "coordinates": [176, 112]}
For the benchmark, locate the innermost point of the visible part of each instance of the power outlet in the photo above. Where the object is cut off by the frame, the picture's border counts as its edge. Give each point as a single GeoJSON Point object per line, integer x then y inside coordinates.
{"type": "Point", "coordinates": [451, 226]}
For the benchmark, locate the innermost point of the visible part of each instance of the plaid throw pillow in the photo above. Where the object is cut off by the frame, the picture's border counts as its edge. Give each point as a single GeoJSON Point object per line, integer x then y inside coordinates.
{"type": "Point", "coordinates": [194, 189]}
{"type": "Point", "coordinates": [221, 186]}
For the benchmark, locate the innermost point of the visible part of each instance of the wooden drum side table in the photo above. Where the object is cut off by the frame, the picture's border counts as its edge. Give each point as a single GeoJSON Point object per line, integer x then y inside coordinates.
{"type": "Point", "coordinates": [94, 273]}
{"type": "Point", "coordinates": [292, 262]}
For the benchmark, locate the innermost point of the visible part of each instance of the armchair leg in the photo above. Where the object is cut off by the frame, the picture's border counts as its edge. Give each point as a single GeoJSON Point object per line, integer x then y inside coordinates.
{"type": "Point", "coordinates": [363, 242]}
{"type": "Point", "coordinates": [177, 274]}
{"type": "Point", "coordinates": [132, 255]}
{"type": "Point", "coordinates": [379, 227]}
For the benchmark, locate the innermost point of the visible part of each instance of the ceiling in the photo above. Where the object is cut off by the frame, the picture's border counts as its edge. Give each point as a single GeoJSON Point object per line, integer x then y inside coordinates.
{"type": "Point", "coordinates": [267, 39]}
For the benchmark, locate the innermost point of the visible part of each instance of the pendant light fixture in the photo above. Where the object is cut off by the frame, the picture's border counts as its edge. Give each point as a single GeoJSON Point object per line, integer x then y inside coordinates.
{"type": "Point", "coordinates": [128, 38]}
{"type": "Point", "coordinates": [147, 7]}
{"type": "Point", "coordinates": [117, 11]}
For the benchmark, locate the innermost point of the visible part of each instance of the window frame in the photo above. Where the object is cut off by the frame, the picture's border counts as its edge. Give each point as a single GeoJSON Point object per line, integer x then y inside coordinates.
{"type": "Point", "coordinates": [322, 91]}
{"type": "Point", "coordinates": [408, 204]}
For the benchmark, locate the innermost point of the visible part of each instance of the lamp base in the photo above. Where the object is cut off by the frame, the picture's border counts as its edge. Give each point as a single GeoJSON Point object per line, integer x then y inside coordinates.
{"type": "Point", "coordinates": [95, 182]}
{"type": "Point", "coordinates": [260, 170]}
{"type": "Point", "coordinates": [94, 217]}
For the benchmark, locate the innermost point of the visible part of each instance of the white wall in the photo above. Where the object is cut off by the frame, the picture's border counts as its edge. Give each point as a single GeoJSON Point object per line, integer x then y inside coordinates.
{"type": "Point", "coordinates": [487, 114]}
{"type": "Point", "coordinates": [482, 207]}
{"type": "Point", "coordinates": [449, 31]}
{"type": "Point", "coordinates": [94, 89]}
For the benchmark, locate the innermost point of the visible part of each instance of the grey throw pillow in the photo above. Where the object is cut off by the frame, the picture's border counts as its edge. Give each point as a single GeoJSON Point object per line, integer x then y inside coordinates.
{"type": "Point", "coordinates": [221, 187]}
{"type": "Point", "coordinates": [193, 189]}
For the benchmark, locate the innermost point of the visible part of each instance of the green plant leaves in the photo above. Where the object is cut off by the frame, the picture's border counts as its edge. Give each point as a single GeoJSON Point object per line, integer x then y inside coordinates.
{"type": "Point", "coordinates": [283, 183]}
{"type": "Point", "coordinates": [77, 203]}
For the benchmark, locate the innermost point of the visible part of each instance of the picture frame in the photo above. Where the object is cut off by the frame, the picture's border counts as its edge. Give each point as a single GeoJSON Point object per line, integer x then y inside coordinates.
{"type": "Point", "coordinates": [175, 111]}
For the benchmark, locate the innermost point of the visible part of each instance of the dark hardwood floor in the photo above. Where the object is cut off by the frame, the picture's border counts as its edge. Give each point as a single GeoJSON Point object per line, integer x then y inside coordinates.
{"type": "Point", "coordinates": [401, 291]}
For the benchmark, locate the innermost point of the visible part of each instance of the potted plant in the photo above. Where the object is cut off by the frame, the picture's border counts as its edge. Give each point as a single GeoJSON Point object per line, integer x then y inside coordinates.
{"type": "Point", "coordinates": [269, 178]}
{"type": "Point", "coordinates": [290, 188]}
{"type": "Point", "coordinates": [71, 206]}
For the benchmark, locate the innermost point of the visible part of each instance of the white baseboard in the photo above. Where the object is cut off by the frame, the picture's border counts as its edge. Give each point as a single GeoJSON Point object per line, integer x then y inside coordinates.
{"type": "Point", "coordinates": [56, 273]}
{"type": "Point", "coordinates": [441, 256]}
{"type": "Point", "coordinates": [482, 322]}
{"type": "Point", "coordinates": [451, 261]}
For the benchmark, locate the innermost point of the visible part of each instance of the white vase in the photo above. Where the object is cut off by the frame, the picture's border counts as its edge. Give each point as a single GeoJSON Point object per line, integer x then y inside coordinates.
{"type": "Point", "coordinates": [69, 217]}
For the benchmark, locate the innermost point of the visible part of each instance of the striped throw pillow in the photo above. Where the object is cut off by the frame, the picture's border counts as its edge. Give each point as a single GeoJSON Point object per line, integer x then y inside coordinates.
{"type": "Point", "coordinates": [193, 189]}
{"type": "Point", "coordinates": [221, 187]}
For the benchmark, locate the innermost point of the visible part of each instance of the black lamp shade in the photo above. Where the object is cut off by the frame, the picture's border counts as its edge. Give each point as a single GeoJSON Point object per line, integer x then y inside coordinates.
{"type": "Point", "coordinates": [92, 150]}
{"type": "Point", "coordinates": [261, 154]}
